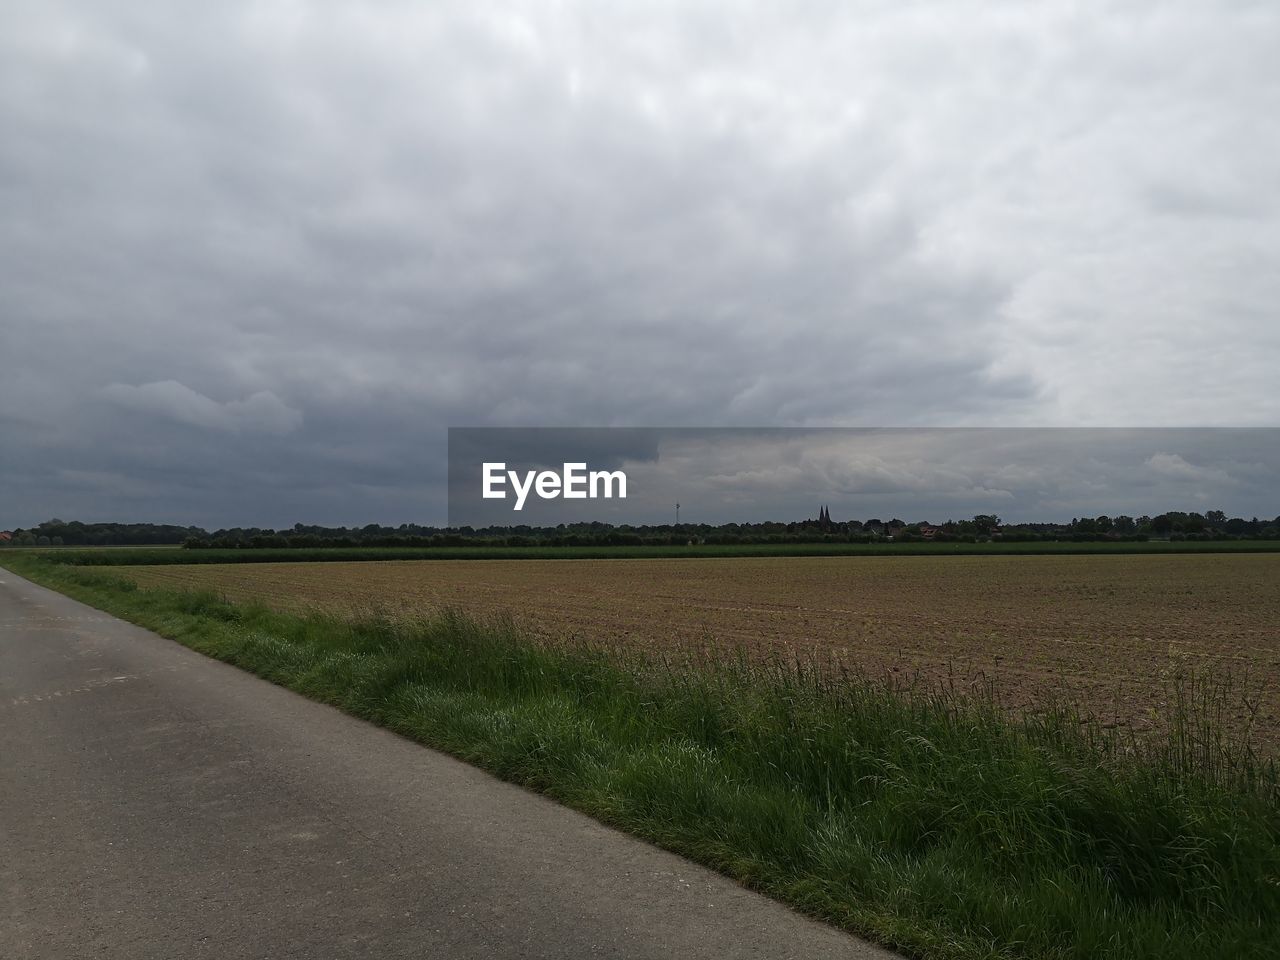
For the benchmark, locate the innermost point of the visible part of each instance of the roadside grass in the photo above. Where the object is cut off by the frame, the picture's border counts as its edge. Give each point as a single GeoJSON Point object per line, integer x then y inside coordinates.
{"type": "Point", "coordinates": [932, 822]}
{"type": "Point", "coordinates": [133, 556]}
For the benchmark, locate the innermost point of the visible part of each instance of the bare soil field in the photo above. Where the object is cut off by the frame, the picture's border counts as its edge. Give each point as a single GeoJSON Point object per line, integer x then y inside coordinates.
{"type": "Point", "coordinates": [1106, 632]}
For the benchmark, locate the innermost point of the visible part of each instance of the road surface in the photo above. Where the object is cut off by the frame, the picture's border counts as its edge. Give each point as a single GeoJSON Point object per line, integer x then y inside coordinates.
{"type": "Point", "coordinates": [155, 803]}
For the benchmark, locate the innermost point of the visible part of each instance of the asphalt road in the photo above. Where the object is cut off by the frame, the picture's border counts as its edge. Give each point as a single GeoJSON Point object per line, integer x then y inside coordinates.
{"type": "Point", "coordinates": [154, 803]}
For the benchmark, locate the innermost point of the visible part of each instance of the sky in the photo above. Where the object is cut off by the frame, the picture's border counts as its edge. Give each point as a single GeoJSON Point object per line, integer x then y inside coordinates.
{"type": "Point", "coordinates": [728, 475]}
{"type": "Point", "coordinates": [256, 258]}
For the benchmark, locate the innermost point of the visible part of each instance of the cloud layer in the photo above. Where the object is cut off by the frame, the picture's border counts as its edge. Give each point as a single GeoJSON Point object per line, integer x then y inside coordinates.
{"type": "Point", "coordinates": [258, 255]}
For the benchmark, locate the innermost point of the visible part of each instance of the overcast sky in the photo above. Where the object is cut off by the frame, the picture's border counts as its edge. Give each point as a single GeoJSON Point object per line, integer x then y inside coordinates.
{"type": "Point", "coordinates": [1022, 475]}
{"type": "Point", "coordinates": [256, 257]}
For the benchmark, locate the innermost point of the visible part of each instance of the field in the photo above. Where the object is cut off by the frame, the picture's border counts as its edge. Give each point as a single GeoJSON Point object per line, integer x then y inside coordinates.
{"type": "Point", "coordinates": [941, 824]}
{"type": "Point", "coordinates": [1107, 633]}
{"type": "Point", "coordinates": [114, 556]}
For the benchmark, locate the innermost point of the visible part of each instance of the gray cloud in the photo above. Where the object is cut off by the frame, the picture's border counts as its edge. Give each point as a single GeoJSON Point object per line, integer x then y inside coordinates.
{"type": "Point", "coordinates": [259, 255]}
{"type": "Point", "coordinates": [261, 412]}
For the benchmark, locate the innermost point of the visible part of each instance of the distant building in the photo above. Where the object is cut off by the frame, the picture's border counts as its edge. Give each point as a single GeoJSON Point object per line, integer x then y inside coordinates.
{"type": "Point", "coordinates": [5, 536]}
{"type": "Point", "coordinates": [823, 522]}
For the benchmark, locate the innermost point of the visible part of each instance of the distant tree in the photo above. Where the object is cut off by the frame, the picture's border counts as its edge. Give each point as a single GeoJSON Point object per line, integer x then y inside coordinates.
{"type": "Point", "coordinates": [986, 523]}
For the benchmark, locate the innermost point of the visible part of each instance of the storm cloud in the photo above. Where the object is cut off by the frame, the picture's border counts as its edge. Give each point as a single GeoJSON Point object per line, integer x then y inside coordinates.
{"type": "Point", "coordinates": [258, 256]}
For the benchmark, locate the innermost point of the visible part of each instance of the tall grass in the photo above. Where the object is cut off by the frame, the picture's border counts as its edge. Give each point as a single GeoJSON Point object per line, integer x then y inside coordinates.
{"type": "Point", "coordinates": [930, 820]}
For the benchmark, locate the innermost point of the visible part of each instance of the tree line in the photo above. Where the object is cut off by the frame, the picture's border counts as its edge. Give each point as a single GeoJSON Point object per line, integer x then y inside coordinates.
{"type": "Point", "coordinates": [57, 533]}
{"type": "Point", "coordinates": [1173, 525]}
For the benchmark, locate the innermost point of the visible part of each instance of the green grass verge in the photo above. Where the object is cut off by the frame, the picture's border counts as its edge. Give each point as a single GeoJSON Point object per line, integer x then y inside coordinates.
{"type": "Point", "coordinates": [119, 556]}
{"type": "Point", "coordinates": [930, 822]}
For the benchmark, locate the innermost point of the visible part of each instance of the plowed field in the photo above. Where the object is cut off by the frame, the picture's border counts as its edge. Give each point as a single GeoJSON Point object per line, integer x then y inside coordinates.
{"type": "Point", "coordinates": [1105, 631]}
